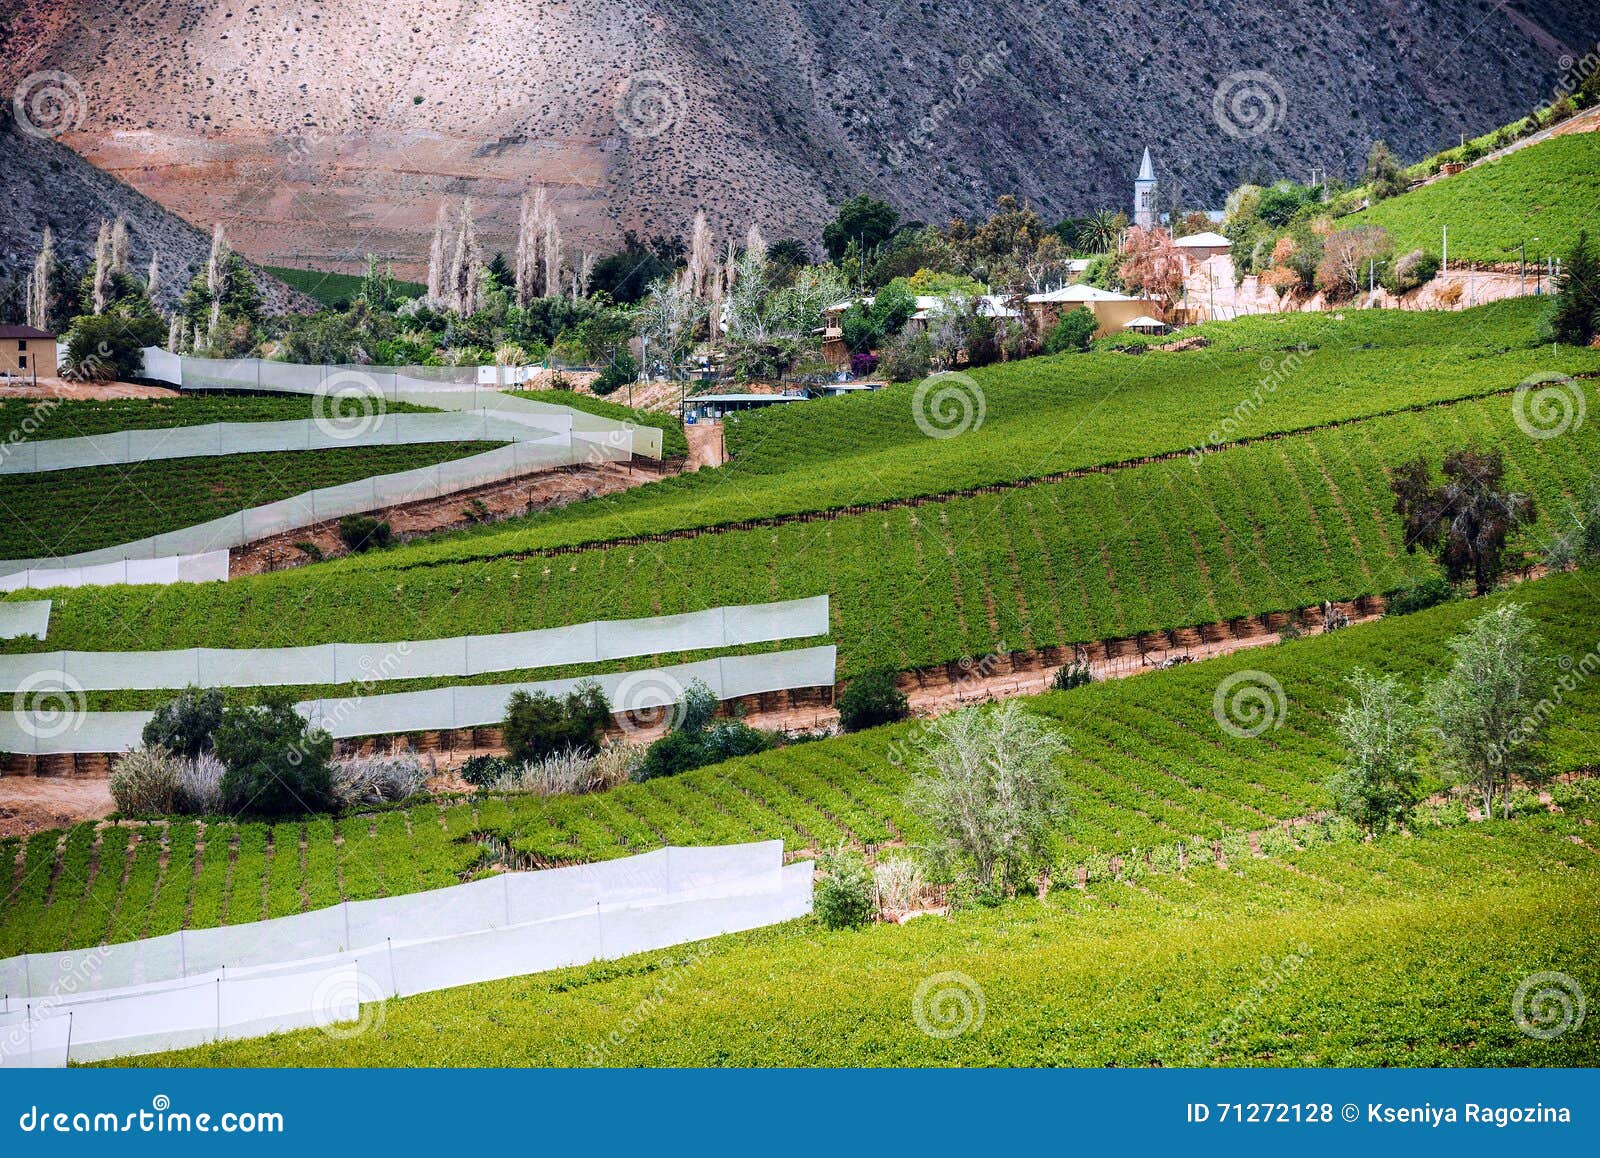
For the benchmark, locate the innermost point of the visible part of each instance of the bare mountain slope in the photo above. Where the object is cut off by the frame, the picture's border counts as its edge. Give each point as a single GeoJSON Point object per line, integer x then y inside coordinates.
{"type": "Point", "coordinates": [321, 131]}
{"type": "Point", "coordinates": [43, 183]}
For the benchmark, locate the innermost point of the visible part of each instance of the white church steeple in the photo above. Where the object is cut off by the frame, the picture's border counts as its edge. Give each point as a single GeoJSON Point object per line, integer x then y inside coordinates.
{"type": "Point", "coordinates": [1145, 214]}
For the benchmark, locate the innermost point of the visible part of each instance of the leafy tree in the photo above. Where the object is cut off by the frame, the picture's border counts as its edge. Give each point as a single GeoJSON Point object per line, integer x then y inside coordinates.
{"type": "Point", "coordinates": [695, 740]}
{"type": "Point", "coordinates": [1384, 176]}
{"type": "Point", "coordinates": [187, 725]}
{"type": "Point", "coordinates": [1579, 546]}
{"type": "Point", "coordinates": [537, 724]}
{"type": "Point", "coordinates": [626, 276]}
{"type": "Point", "coordinates": [1410, 271]}
{"type": "Point", "coordinates": [1576, 309]}
{"type": "Point", "coordinates": [845, 897]}
{"type": "Point", "coordinates": [1072, 332]}
{"type": "Point", "coordinates": [274, 763]}
{"type": "Point", "coordinates": [992, 793]}
{"type": "Point", "coordinates": [1489, 711]}
{"type": "Point", "coordinates": [1378, 784]}
{"type": "Point", "coordinates": [102, 347]}
{"type": "Point", "coordinates": [908, 358]}
{"type": "Point", "coordinates": [1466, 518]}
{"type": "Point", "coordinates": [862, 219]}
{"type": "Point", "coordinates": [872, 700]}
{"type": "Point", "coordinates": [621, 370]}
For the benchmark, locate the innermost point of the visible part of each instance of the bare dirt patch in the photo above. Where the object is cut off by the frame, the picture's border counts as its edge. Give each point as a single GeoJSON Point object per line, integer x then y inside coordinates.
{"type": "Point", "coordinates": [83, 391]}
{"type": "Point", "coordinates": [31, 804]}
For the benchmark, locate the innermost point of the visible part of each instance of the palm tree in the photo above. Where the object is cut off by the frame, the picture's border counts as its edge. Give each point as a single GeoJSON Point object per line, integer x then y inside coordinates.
{"type": "Point", "coordinates": [1100, 233]}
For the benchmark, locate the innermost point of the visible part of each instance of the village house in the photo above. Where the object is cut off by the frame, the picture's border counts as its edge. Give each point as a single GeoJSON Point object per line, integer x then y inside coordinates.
{"type": "Point", "coordinates": [26, 353]}
{"type": "Point", "coordinates": [1112, 311]}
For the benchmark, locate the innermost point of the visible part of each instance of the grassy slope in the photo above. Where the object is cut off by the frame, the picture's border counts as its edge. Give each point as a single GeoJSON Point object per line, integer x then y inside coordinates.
{"type": "Point", "coordinates": [1403, 952]}
{"type": "Point", "coordinates": [1550, 190]}
{"type": "Point", "coordinates": [1148, 766]}
{"type": "Point", "coordinates": [329, 288]}
{"type": "Point", "coordinates": [60, 513]}
{"type": "Point", "coordinates": [673, 442]}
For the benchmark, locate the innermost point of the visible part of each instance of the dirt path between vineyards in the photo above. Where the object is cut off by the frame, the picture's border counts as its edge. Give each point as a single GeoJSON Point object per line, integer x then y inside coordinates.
{"type": "Point", "coordinates": [529, 494]}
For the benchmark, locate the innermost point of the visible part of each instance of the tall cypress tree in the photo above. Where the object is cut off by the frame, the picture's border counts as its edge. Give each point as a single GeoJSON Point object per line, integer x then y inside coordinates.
{"type": "Point", "coordinates": [1577, 295]}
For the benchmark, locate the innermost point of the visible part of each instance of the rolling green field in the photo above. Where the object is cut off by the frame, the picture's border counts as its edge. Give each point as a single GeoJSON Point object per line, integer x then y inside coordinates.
{"type": "Point", "coordinates": [60, 513]}
{"type": "Point", "coordinates": [1271, 526]}
{"type": "Point", "coordinates": [1550, 191]}
{"type": "Point", "coordinates": [1149, 769]}
{"type": "Point", "coordinates": [673, 442]}
{"type": "Point", "coordinates": [1407, 951]}
{"type": "Point", "coordinates": [331, 288]}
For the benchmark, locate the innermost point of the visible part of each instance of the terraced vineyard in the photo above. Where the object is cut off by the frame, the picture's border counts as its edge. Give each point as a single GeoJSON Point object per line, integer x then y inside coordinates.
{"type": "Point", "coordinates": [673, 442]}
{"type": "Point", "coordinates": [40, 419]}
{"type": "Point", "coordinates": [59, 513]}
{"type": "Point", "coordinates": [1343, 955]}
{"type": "Point", "coordinates": [1266, 527]}
{"type": "Point", "coordinates": [1547, 192]}
{"type": "Point", "coordinates": [1148, 767]}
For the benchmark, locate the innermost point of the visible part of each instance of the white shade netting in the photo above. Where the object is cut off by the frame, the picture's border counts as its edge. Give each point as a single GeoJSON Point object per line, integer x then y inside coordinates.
{"type": "Point", "coordinates": [28, 732]}
{"type": "Point", "coordinates": [341, 663]}
{"type": "Point", "coordinates": [19, 619]}
{"type": "Point", "coordinates": [205, 567]}
{"type": "Point", "coordinates": [316, 969]}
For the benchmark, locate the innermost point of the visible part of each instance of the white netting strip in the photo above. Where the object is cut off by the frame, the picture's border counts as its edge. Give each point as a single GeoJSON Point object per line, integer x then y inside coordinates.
{"type": "Point", "coordinates": [318, 969]}
{"type": "Point", "coordinates": [28, 733]}
{"type": "Point", "coordinates": [407, 659]}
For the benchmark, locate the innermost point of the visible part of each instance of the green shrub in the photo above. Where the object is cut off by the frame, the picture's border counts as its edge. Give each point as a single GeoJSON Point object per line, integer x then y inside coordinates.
{"type": "Point", "coordinates": [185, 726]}
{"type": "Point", "coordinates": [1420, 596]}
{"type": "Point", "coordinates": [538, 725]}
{"type": "Point", "coordinates": [483, 770]}
{"type": "Point", "coordinates": [621, 370]}
{"type": "Point", "coordinates": [872, 700]}
{"type": "Point", "coordinates": [674, 753]}
{"type": "Point", "coordinates": [845, 897]}
{"type": "Point", "coordinates": [364, 533]}
{"type": "Point", "coordinates": [274, 763]}
{"type": "Point", "coordinates": [1074, 675]}
{"type": "Point", "coordinates": [1072, 333]}
{"type": "Point", "coordinates": [1410, 271]}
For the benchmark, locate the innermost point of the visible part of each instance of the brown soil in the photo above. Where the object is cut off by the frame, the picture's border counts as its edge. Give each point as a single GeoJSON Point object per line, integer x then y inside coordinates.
{"type": "Point", "coordinates": [503, 500]}
{"type": "Point", "coordinates": [31, 804]}
{"type": "Point", "coordinates": [84, 391]}
{"type": "Point", "coordinates": [706, 445]}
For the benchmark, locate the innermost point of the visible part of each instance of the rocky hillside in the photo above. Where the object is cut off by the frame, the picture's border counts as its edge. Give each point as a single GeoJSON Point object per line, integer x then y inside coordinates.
{"type": "Point", "coordinates": [322, 131]}
{"type": "Point", "coordinates": [47, 184]}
